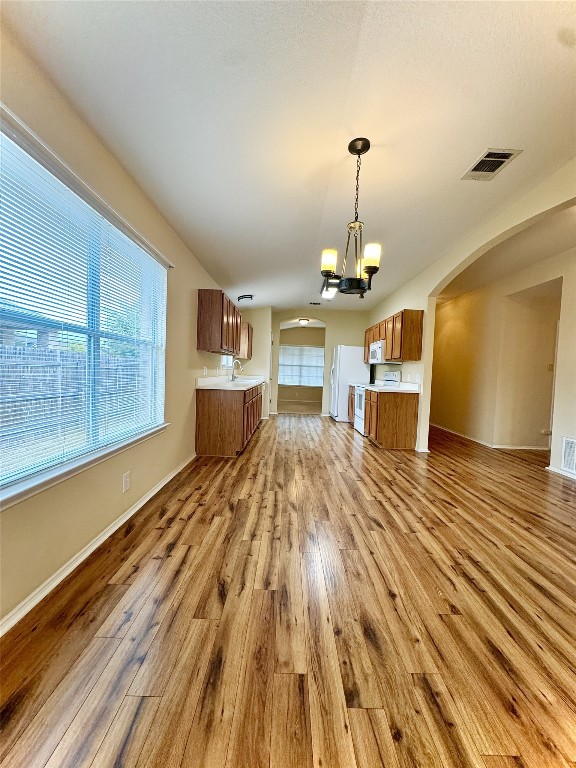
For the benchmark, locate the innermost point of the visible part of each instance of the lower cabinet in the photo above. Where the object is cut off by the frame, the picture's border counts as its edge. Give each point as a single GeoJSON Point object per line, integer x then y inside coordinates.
{"type": "Point", "coordinates": [391, 418]}
{"type": "Point", "coordinates": [226, 420]}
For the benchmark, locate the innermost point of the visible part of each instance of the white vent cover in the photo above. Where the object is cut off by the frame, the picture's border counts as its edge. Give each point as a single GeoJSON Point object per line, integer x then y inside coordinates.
{"type": "Point", "coordinates": [491, 163]}
{"type": "Point", "coordinates": [569, 454]}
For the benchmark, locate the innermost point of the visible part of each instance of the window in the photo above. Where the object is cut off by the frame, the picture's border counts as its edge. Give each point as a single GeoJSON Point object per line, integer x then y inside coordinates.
{"type": "Point", "coordinates": [301, 366]}
{"type": "Point", "coordinates": [82, 325]}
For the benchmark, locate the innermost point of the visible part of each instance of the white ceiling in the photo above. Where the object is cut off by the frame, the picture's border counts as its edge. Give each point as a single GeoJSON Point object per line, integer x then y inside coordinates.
{"type": "Point", "coordinates": [234, 117]}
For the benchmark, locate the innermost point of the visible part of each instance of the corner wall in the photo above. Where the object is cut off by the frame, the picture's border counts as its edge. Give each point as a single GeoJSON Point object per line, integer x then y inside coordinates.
{"type": "Point", "coordinates": [43, 533]}
{"type": "Point", "coordinates": [260, 364]}
{"type": "Point", "coordinates": [493, 347]}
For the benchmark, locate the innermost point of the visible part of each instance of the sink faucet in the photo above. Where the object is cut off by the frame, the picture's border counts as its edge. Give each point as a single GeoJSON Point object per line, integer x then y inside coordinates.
{"type": "Point", "coordinates": [234, 375]}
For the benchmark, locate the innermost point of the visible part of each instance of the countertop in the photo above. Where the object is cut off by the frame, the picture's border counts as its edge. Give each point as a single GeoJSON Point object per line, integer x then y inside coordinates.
{"type": "Point", "coordinates": [403, 386]}
{"type": "Point", "coordinates": [240, 383]}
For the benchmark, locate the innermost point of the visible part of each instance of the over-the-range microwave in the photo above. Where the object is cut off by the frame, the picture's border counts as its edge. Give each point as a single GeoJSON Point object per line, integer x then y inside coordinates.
{"type": "Point", "coordinates": [376, 352]}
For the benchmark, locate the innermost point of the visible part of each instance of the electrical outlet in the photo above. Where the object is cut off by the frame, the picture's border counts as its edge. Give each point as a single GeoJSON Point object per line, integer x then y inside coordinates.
{"type": "Point", "coordinates": [204, 371]}
{"type": "Point", "coordinates": [125, 482]}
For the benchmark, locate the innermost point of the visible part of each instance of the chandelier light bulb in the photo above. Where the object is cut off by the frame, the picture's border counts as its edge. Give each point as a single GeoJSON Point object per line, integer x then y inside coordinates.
{"type": "Point", "coordinates": [372, 254]}
{"type": "Point", "coordinates": [329, 260]}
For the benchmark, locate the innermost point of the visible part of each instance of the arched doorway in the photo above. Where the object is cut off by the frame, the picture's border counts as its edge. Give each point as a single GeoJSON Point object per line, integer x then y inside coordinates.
{"type": "Point", "coordinates": [301, 365]}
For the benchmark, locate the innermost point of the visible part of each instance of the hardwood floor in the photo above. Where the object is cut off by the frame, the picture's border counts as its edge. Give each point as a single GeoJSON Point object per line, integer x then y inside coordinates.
{"type": "Point", "coordinates": [314, 602]}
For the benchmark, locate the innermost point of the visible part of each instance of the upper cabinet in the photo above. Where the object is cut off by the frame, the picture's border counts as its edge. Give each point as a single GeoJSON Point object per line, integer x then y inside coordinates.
{"type": "Point", "coordinates": [401, 334]}
{"type": "Point", "coordinates": [407, 335]}
{"type": "Point", "coordinates": [219, 323]}
{"type": "Point", "coordinates": [246, 332]}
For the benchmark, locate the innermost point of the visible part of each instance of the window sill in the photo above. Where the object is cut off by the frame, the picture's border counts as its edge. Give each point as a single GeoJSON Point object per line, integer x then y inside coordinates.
{"type": "Point", "coordinates": [23, 489]}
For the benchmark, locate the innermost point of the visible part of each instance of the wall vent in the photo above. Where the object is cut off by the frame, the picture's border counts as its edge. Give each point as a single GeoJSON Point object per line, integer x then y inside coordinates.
{"type": "Point", "coordinates": [491, 163]}
{"type": "Point", "coordinates": [569, 454]}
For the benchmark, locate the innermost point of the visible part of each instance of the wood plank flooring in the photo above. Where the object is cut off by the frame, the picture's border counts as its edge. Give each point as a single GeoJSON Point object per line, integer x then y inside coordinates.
{"type": "Point", "coordinates": [314, 603]}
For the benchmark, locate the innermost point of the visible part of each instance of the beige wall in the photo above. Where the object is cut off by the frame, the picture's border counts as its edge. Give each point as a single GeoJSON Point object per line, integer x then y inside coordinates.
{"type": "Point", "coordinates": [299, 394]}
{"type": "Point", "coordinates": [342, 327]}
{"type": "Point", "coordinates": [260, 364]}
{"type": "Point", "coordinates": [42, 533]}
{"type": "Point", "coordinates": [493, 348]}
{"type": "Point", "coordinates": [307, 337]}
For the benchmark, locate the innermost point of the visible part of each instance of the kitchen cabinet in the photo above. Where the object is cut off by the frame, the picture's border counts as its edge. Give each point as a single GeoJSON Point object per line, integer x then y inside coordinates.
{"type": "Point", "coordinates": [401, 334]}
{"type": "Point", "coordinates": [219, 323]}
{"type": "Point", "coordinates": [226, 420]}
{"type": "Point", "coordinates": [246, 333]}
{"type": "Point", "coordinates": [407, 335]}
{"type": "Point", "coordinates": [351, 403]}
{"type": "Point", "coordinates": [389, 323]}
{"type": "Point", "coordinates": [391, 419]}
{"type": "Point", "coordinates": [367, 334]}
{"type": "Point", "coordinates": [371, 414]}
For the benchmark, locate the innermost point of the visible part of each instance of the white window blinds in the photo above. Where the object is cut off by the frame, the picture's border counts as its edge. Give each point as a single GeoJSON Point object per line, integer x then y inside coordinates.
{"type": "Point", "coordinates": [301, 366]}
{"type": "Point", "coordinates": [82, 325]}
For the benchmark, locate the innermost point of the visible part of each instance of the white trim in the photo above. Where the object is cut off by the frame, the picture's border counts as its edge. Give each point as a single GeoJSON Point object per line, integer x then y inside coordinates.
{"type": "Point", "coordinates": [522, 447]}
{"type": "Point", "coordinates": [564, 472]}
{"type": "Point", "coordinates": [493, 445]}
{"type": "Point", "coordinates": [44, 589]}
{"type": "Point", "coordinates": [30, 486]}
{"type": "Point", "coordinates": [31, 143]}
{"type": "Point", "coordinates": [422, 450]}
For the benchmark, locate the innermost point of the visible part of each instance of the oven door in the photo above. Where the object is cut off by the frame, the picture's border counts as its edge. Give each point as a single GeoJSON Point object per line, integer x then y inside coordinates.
{"type": "Point", "coordinates": [359, 395]}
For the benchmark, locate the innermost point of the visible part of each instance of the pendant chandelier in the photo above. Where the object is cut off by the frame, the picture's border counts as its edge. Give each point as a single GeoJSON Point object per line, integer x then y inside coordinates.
{"type": "Point", "coordinates": [366, 263]}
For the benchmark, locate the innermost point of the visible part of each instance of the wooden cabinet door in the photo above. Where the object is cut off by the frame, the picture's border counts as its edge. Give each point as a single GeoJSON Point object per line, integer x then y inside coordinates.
{"type": "Point", "coordinates": [238, 317]}
{"type": "Point", "coordinates": [246, 331]}
{"type": "Point", "coordinates": [373, 431]}
{"type": "Point", "coordinates": [225, 323]}
{"type": "Point", "coordinates": [397, 337]}
{"type": "Point", "coordinates": [250, 337]}
{"type": "Point", "coordinates": [367, 345]}
{"type": "Point", "coordinates": [389, 335]}
{"type": "Point", "coordinates": [382, 330]}
{"type": "Point", "coordinates": [375, 332]}
{"type": "Point", "coordinates": [351, 397]}
{"type": "Point", "coordinates": [367, 414]}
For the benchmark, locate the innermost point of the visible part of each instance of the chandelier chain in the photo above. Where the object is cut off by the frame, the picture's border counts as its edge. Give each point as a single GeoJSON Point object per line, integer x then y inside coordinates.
{"type": "Point", "coordinates": [358, 160]}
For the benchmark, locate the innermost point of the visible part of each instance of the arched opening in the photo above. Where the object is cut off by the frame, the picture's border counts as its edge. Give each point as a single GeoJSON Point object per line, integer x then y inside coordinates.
{"type": "Point", "coordinates": [502, 324]}
{"type": "Point", "coordinates": [301, 365]}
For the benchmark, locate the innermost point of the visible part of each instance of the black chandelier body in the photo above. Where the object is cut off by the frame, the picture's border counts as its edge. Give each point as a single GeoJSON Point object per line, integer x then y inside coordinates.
{"type": "Point", "coordinates": [366, 262]}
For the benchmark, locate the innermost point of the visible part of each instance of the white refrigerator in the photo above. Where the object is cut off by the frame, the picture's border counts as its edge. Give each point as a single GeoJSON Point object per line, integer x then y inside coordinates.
{"type": "Point", "coordinates": [348, 367]}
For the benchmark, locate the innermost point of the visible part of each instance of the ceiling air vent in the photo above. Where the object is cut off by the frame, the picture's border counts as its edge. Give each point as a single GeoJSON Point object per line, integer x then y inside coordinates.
{"type": "Point", "coordinates": [491, 163]}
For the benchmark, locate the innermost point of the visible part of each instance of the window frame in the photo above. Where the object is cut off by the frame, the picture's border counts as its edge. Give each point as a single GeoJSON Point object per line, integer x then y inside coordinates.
{"type": "Point", "coordinates": [35, 482]}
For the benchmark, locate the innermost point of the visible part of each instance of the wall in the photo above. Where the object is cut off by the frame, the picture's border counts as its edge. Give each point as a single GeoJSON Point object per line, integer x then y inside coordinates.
{"type": "Point", "coordinates": [555, 192]}
{"type": "Point", "coordinates": [342, 327]}
{"type": "Point", "coordinates": [260, 364]}
{"type": "Point", "coordinates": [307, 337]}
{"type": "Point", "coordinates": [44, 532]}
{"type": "Point", "coordinates": [493, 347]}
{"type": "Point", "coordinates": [525, 370]}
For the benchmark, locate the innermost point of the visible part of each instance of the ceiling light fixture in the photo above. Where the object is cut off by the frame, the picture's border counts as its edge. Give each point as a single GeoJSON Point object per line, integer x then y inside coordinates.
{"type": "Point", "coordinates": [365, 264]}
{"type": "Point", "coordinates": [303, 320]}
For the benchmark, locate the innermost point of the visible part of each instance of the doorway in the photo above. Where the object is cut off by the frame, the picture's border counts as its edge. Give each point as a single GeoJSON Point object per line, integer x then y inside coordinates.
{"type": "Point", "coordinates": [301, 367]}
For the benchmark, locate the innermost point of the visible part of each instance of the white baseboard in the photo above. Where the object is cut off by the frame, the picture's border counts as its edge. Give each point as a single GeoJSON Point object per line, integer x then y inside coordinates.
{"type": "Point", "coordinates": [492, 445]}
{"type": "Point", "coordinates": [44, 589]}
{"type": "Point", "coordinates": [422, 450]}
{"type": "Point", "coordinates": [563, 472]}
